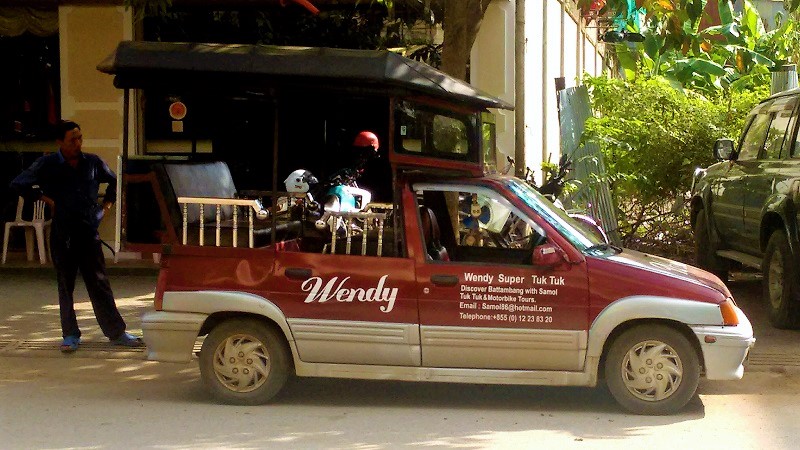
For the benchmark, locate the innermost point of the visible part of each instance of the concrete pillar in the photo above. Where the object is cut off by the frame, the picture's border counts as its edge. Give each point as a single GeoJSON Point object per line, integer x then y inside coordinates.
{"type": "Point", "coordinates": [492, 68]}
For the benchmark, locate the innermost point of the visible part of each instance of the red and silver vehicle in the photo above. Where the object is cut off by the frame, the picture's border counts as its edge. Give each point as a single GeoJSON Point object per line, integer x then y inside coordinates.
{"type": "Point", "coordinates": [451, 274]}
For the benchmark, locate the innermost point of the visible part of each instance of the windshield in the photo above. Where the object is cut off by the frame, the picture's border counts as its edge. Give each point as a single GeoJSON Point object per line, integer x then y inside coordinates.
{"type": "Point", "coordinates": [574, 231]}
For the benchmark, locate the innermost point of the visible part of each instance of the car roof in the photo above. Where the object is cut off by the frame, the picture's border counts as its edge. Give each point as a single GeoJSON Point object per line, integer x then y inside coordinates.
{"type": "Point", "coordinates": [139, 64]}
{"type": "Point", "coordinates": [794, 91]}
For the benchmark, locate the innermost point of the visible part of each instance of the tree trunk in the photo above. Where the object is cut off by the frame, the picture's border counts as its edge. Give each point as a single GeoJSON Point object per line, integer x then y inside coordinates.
{"type": "Point", "coordinates": [462, 20]}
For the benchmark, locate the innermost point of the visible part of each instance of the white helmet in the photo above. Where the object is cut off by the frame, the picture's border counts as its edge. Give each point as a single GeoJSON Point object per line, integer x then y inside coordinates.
{"type": "Point", "coordinates": [298, 181]}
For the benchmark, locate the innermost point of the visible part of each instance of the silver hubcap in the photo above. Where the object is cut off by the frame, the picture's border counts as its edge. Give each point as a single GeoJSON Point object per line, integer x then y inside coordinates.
{"type": "Point", "coordinates": [241, 363]}
{"type": "Point", "coordinates": [652, 371]}
{"type": "Point", "coordinates": [775, 279]}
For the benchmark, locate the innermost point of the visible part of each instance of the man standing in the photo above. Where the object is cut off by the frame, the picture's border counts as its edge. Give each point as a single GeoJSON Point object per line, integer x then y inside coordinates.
{"type": "Point", "coordinates": [68, 181]}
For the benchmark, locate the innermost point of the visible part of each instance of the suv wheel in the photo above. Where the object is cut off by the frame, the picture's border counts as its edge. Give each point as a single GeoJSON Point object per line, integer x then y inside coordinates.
{"type": "Point", "coordinates": [704, 252]}
{"type": "Point", "coordinates": [652, 369]}
{"type": "Point", "coordinates": [780, 282]}
{"type": "Point", "coordinates": [244, 362]}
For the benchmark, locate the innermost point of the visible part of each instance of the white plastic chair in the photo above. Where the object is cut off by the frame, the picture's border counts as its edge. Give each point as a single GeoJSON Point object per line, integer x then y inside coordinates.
{"type": "Point", "coordinates": [37, 224]}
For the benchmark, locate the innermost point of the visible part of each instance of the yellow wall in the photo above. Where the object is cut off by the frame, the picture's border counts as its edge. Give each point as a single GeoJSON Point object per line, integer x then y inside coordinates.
{"type": "Point", "coordinates": [88, 34]}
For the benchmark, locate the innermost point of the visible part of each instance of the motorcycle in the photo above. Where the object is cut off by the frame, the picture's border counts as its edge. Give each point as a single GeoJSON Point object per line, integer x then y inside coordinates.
{"type": "Point", "coordinates": [342, 195]}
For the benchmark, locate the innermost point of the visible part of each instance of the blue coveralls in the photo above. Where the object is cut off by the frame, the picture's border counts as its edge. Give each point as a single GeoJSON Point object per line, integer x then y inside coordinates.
{"type": "Point", "coordinates": [75, 243]}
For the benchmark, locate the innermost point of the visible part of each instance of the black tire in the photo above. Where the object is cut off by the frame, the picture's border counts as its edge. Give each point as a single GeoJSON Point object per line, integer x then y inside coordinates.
{"type": "Point", "coordinates": [780, 283]}
{"type": "Point", "coordinates": [673, 367]}
{"type": "Point", "coordinates": [704, 252]}
{"type": "Point", "coordinates": [252, 375]}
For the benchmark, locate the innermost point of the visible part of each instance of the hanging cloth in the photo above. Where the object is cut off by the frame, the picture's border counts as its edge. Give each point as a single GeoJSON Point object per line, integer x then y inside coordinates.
{"type": "Point", "coordinates": [16, 20]}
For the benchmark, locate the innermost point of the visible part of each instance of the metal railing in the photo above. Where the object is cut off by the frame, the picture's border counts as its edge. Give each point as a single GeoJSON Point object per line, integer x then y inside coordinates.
{"type": "Point", "coordinates": [365, 221]}
{"type": "Point", "coordinates": [356, 225]}
{"type": "Point", "coordinates": [253, 206]}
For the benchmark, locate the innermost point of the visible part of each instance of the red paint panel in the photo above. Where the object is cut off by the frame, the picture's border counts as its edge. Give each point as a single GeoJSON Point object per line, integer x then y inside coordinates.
{"type": "Point", "coordinates": [633, 273]}
{"type": "Point", "coordinates": [504, 296]}
{"type": "Point", "coordinates": [344, 287]}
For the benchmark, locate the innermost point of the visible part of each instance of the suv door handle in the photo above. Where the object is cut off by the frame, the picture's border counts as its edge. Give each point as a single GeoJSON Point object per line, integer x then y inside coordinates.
{"type": "Point", "coordinates": [298, 273]}
{"type": "Point", "coordinates": [444, 280]}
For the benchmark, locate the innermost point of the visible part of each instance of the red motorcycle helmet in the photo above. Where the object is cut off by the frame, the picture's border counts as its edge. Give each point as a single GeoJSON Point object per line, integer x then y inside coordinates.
{"type": "Point", "coordinates": [366, 139]}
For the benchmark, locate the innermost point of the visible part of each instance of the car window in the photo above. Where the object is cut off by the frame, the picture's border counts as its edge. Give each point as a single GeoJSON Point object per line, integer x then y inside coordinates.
{"type": "Point", "coordinates": [475, 225]}
{"type": "Point", "coordinates": [425, 130]}
{"type": "Point", "coordinates": [781, 117]}
{"type": "Point", "coordinates": [753, 141]}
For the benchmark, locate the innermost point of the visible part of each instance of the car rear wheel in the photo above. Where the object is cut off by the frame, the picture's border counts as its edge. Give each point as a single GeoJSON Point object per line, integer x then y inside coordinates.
{"type": "Point", "coordinates": [704, 252]}
{"type": "Point", "coordinates": [244, 362]}
{"type": "Point", "coordinates": [780, 283]}
{"type": "Point", "coordinates": [652, 369]}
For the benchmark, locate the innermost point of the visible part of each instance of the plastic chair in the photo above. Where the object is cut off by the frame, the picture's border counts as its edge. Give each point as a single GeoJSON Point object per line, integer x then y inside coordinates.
{"type": "Point", "coordinates": [37, 224]}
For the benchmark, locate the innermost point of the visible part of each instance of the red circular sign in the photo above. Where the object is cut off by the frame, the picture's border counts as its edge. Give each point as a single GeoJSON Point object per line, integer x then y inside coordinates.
{"type": "Point", "coordinates": [177, 110]}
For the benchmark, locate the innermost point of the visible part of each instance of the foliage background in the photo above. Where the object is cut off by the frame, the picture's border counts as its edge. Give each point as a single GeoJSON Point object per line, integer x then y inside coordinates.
{"type": "Point", "coordinates": [685, 85]}
{"type": "Point", "coordinates": [652, 137]}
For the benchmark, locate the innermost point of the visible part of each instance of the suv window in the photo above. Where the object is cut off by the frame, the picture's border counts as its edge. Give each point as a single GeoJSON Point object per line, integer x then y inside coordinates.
{"type": "Point", "coordinates": [781, 117]}
{"type": "Point", "coordinates": [753, 140]}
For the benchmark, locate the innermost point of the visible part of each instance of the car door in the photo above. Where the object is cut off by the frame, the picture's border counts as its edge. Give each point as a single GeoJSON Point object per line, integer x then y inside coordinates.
{"type": "Point", "coordinates": [761, 175]}
{"type": "Point", "coordinates": [482, 304]}
{"type": "Point", "coordinates": [349, 308]}
{"type": "Point", "coordinates": [728, 190]}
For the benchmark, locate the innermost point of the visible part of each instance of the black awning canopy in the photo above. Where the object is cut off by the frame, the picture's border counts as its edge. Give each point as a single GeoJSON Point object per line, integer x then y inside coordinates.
{"type": "Point", "coordinates": [138, 64]}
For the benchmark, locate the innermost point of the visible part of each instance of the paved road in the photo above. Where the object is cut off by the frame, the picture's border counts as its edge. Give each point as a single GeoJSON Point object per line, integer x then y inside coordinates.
{"type": "Point", "coordinates": [99, 398]}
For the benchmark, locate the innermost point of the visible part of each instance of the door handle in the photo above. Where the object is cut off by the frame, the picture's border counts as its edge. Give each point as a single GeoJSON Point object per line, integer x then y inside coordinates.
{"type": "Point", "coordinates": [444, 280]}
{"type": "Point", "coordinates": [298, 273]}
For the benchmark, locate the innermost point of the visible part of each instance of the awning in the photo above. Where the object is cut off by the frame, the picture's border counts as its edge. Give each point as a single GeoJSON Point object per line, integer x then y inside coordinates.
{"type": "Point", "coordinates": [138, 64]}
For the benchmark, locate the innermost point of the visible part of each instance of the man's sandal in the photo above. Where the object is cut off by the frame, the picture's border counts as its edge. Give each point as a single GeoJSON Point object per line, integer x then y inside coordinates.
{"type": "Point", "coordinates": [70, 344]}
{"type": "Point", "coordinates": [128, 340]}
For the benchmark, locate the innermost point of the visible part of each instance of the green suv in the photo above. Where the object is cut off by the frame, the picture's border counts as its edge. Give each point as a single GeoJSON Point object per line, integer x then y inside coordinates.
{"type": "Point", "coordinates": [744, 208]}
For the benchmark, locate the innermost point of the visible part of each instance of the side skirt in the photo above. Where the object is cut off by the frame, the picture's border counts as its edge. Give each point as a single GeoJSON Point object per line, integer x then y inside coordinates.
{"type": "Point", "coordinates": [448, 375]}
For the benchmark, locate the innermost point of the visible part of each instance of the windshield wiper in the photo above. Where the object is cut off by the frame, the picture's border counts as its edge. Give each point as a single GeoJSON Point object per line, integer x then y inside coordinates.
{"type": "Point", "coordinates": [603, 247]}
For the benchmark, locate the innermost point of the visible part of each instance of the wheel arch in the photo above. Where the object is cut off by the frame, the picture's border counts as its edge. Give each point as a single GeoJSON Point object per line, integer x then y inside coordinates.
{"type": "Point", "coordinates": [771, 222]}
{"type": "Point", "coordinates": [681, 327]}
{"type": "Point", "coordinates": [222, 305]}
{"type": "Point", "coordinates": [781, 214]}
{"type": "Point", "coordinates": [696, 206]}
{"type": "Point", "coordinates": [626, 313]}
{"type": "Point", "coordinates": [222, 316]}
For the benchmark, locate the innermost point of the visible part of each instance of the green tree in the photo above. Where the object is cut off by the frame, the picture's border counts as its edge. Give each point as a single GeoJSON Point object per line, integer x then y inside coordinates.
{"type": "Point", "coordinates": [681, 43]}
{"type": "Point", "coordinates": [652, 137]}
{"type": "Point", "coordinates": [460, 20]}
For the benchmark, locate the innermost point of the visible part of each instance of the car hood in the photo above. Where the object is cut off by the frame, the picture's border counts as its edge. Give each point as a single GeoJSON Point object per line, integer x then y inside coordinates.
{"type": "Point", "coordinates": [654, 275]}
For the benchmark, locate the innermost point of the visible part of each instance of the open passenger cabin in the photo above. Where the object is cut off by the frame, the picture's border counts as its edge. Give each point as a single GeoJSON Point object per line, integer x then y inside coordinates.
{"type": "Point", "coordinates": [225, 125]}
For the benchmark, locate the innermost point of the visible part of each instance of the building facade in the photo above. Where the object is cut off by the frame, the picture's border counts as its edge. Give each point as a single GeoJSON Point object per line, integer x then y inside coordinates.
{"type": "Point", "coordinates": [558, 45]}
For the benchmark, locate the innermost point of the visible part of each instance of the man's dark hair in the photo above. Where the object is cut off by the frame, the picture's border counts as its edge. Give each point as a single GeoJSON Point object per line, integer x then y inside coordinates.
{"type": "Point", "coordinates": [65, 126]}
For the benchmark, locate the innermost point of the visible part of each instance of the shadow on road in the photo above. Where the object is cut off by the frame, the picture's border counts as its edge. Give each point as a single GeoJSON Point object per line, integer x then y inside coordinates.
{"type": "Point", "coordinates": [361, 393]}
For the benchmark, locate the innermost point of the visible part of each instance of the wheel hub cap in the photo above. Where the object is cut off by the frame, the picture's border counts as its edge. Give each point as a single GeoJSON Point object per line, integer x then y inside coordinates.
{"type": "Point", "coordinates": [241, 363]}
{"type": "Point", "coordinates": [775, 279]}
{"type": "Point", "coordinates": [652, 371]}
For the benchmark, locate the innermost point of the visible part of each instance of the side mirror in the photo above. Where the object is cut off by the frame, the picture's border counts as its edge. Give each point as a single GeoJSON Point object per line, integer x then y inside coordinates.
{"type": "Point", "coordinates": [723, 149]}
{"type": "Point", "coordinates": [548, 255]}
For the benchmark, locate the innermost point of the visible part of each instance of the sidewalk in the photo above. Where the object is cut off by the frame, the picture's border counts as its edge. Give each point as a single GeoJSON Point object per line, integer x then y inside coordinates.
{"type": "Point", "coordinates": [29, 322]}
{"type": "Point", "coordinates": [29, 315]}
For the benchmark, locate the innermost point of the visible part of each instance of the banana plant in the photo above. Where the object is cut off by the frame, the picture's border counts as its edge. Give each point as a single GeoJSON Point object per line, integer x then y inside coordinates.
{"type": "Point", "coordinates": [679, 45]}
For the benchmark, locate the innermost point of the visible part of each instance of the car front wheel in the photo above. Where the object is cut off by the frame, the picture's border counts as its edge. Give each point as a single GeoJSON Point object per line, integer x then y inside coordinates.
{"type": "Point", "coordinates": [780, 282]}
{"type": "Point", "coordinates": [652, 369]}
{"type": "Point", "coordinates": [244, 362]}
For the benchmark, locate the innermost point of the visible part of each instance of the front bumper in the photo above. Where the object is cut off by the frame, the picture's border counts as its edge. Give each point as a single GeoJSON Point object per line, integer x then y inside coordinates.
{"type": "Point", "coordinates": [170, 336]}
{"type": "Point", "coordinates": [725, 348]}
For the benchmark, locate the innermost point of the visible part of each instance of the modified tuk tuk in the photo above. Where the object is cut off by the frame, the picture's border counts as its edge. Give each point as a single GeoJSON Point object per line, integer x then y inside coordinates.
{"type": "Point", "coordinates": [431, 269]}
